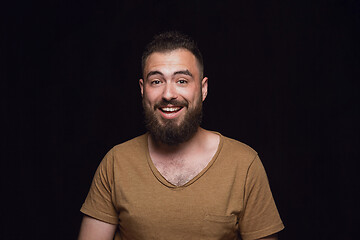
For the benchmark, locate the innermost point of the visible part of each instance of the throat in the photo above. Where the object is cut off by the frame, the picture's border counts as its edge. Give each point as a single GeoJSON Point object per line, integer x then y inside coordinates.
{"type": "Point", "coordinates": [182, 163]}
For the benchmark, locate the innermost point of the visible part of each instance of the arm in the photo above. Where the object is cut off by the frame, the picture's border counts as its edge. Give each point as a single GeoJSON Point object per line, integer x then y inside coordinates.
{"type": "Point", "coordinates": [271, 237]}
{"type": "Point", "coordinates": [93, 229]}
{"type": "Point", "coordinates": [260, 216]}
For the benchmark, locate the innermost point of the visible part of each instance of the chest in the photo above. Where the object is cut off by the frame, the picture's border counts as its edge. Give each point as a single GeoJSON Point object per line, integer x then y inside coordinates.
{"type": "Point", "coordinates": [194, 212]}
{"type": "Point", "coordinates": [149, 207]}
{"type": "Point", "coordinates": [181, 170]}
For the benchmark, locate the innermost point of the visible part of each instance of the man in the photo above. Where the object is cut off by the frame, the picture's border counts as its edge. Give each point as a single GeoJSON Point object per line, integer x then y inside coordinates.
{"type": "Point", "coordinates": [178, 181]}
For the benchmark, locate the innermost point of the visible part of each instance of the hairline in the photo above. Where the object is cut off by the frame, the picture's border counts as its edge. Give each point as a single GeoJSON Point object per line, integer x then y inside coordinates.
{"type": "Point", "coordinates": [199, 65]}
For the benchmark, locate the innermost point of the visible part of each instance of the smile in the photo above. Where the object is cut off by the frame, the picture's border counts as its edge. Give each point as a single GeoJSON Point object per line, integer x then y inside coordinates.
{"type": "Point", "coordinates": [170, 112]}
{"type": "Point", "coordinates": [170, 109]}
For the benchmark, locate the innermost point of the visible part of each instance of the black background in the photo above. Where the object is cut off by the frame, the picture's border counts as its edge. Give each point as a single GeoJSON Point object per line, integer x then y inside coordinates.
{"type": "Point", "coordinates": [282, 78]}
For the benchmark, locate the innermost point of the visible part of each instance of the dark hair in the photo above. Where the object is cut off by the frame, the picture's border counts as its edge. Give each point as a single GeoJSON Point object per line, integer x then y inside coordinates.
{"type": "Point", "coordinates": [169, 41]}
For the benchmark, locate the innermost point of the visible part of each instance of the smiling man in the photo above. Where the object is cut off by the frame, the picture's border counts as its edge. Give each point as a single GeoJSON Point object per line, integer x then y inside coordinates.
{"type": "Point", "coordinates": [178, 181]}
{"type": "Point", "coordinates": [173, 92]}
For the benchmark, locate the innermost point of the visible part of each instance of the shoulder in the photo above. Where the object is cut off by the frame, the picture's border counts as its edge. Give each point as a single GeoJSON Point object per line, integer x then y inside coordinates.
{"type": "Point", "coordinates": [237, 151]}
{"type": "Point", "coordinates": [238, 147]}
{"type": "Point", "coordinates": [132, 145]}
{"type": "Point", "coordinates": [128, 150]}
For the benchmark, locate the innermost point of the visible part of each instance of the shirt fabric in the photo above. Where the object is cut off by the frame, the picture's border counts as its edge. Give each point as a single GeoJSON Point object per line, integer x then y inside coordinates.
{"type": "Point", "coordinates": [231, 197]}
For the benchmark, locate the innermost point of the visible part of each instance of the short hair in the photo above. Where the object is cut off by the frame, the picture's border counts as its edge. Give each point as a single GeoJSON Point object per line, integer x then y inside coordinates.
{"type": "Point", "coordinates": [169, 41]}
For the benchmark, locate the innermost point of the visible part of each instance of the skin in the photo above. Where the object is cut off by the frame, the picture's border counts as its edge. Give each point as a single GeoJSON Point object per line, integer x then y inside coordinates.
{"type": "Point", "coordinates": [169, 75]}
{"type": "Point", "coordinates": [93, 229]}
{"type": "Point", "coordinates": [172, 76]}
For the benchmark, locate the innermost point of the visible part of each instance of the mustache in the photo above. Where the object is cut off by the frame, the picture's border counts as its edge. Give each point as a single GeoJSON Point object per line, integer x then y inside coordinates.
{"type": "Point", "coordinates": [173, 102]}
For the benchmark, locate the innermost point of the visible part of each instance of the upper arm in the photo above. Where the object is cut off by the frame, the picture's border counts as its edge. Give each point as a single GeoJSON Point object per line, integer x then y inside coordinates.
{"type": "Point", "coordinates": [271, 237]}
{"type": "Point", "coordinates": [260, 216]}
{"type": "Point", "coordinates": [93, 229]}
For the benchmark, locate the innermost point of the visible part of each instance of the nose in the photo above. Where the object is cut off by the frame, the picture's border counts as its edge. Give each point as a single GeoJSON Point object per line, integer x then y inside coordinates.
{"type": "Point", "coordinates": [169, 92]}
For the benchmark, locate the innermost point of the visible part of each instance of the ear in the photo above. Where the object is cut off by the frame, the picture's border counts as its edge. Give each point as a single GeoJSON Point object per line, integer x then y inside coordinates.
{"type": "Point", "coordinates": [141, 83]}
{"type": "Point", "coordinates": [204, 87]}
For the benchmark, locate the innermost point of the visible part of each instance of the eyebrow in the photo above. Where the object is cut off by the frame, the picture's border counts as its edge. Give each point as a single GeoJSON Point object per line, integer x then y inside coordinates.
{"type": "Point", "coordinates": [181, 72]}
{"type": "Point", "coordinates": [153, 73]}
{"type": "Point", "coordinates": [184, 72]}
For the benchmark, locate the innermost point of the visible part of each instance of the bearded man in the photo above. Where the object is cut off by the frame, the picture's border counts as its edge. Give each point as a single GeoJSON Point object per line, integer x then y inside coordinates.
{"type": "Point", "coordinates": [178, 181]}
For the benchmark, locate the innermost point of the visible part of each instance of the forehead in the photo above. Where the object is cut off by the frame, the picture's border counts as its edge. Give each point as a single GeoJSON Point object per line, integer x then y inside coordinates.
{"type": "Point", "coordinates": [171, 60]}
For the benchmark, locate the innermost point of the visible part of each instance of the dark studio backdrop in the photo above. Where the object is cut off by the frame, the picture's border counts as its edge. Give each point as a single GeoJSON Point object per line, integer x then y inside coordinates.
{"type": "Point", "coordinates": [282, 78]}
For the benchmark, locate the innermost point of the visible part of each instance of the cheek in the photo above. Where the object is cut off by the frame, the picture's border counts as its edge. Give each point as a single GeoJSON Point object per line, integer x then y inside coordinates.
{"type": "Point", "coordinates": [148, 97]}
{"type": "Point", "coordinates": [194, 97]}
{"type": "Point", "coordinates": [153, 95]}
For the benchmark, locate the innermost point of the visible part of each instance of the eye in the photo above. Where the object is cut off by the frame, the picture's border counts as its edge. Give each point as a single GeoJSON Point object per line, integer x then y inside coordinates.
{"type": "Point", "coordinates": [155, 82]}
{"type": "Point", "coordinates": [182, 81]}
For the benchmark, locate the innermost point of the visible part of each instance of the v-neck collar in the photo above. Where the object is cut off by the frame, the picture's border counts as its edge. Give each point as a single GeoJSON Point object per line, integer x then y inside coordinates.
{"type": "Point", "coordinates": [165, 182]}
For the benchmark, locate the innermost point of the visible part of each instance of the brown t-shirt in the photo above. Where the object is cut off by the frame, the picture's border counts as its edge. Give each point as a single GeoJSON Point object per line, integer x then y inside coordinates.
{"type": "Point", "coordinates": [230, 196]}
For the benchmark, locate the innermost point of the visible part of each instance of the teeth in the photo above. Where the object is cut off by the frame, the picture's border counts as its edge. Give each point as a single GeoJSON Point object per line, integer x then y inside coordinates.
{"type": "Point", "coordinates": [170, 109]}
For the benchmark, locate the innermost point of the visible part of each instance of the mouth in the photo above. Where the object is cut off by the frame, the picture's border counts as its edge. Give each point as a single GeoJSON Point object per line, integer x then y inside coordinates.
{"type": "Point", "coordinates": [170, 112]}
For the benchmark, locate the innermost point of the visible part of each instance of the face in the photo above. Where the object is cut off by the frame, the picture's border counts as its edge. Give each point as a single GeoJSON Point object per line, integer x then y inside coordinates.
{"type": "Point", "coordinates": [172, 95]}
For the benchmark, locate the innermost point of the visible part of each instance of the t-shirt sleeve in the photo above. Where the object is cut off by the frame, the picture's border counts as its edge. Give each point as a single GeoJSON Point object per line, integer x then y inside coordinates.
{"type": "Point", "coordinates": [98, 203]}
{"type": "Point", "coordinates": [260, 217]}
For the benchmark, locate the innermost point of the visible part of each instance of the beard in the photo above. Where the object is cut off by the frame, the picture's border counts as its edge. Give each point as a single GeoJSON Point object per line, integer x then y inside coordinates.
{"type": "Point", "coordinates": [173, 131]}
